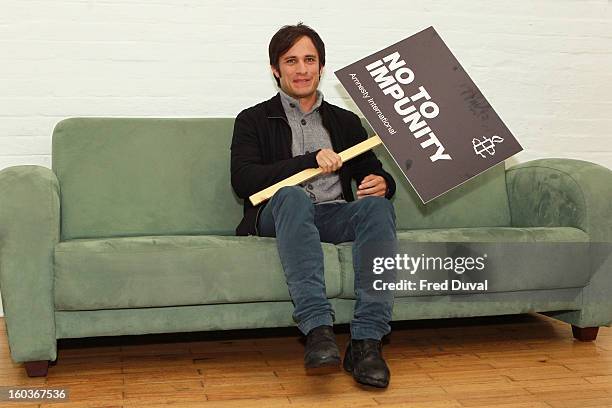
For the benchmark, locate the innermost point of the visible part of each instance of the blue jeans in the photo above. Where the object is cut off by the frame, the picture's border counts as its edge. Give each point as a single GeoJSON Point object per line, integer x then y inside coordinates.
{"type": "Point", "coordinates": [300, 226]}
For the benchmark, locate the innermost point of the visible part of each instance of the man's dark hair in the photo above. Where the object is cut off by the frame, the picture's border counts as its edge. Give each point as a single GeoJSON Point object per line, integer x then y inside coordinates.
{"type": "Point", "coordinates": [289, 35]}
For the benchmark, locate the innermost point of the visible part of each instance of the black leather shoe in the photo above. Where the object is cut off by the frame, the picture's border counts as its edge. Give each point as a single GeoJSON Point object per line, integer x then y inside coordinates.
{"type": "Point", "coordinates": [363, 359]}
{"type": "Point", "coordinates": [321, 349]}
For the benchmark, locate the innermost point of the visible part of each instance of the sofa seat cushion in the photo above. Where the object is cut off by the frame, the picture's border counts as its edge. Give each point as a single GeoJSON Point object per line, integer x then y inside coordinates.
{"type": "Point", "coordinates": [513, 259]}
{"type": "Point", "coordinates": [154, 271]}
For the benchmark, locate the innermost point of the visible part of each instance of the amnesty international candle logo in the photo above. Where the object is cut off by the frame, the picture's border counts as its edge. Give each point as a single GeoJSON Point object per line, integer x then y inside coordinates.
{"type": "Point", "coordinates": [431, 117]}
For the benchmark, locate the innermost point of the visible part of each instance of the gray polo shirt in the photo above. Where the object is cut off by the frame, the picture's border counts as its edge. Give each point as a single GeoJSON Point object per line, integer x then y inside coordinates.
{"type": "Point", "coordinates": [308, 135]}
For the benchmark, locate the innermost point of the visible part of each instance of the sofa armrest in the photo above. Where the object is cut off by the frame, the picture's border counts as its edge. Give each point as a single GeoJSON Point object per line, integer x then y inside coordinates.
{"type": "Point", "coordinates": [562, 193]}
{"type": "Point", "coordinates": [570, 193]}
{"type": "Point", "coordinates": [29, 230]}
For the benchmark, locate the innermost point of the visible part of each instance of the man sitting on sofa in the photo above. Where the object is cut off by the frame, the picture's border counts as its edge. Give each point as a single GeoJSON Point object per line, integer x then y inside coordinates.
{"type": "Point", "coordinates": [295, 130]}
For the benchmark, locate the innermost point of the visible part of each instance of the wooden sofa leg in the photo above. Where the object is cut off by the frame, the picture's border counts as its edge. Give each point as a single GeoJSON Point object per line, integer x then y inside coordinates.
{"type": "Point", "coordinates": [585, 333]}
{"type": "Point", "coordinates": [37, 368]}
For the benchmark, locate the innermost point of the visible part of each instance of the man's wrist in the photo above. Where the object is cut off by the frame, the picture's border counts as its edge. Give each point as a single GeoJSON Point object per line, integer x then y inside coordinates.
{"type": "Point", "coordinates": [311, 157]}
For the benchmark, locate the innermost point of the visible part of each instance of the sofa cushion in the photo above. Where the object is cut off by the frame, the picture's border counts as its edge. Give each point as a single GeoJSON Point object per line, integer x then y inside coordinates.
{"type": "Point", "coordinates": [516, 258]}
{"type": "Point", "coordinates": [479, 202]}
{"type": "Point", "coordinates": [158, 271]}
{"type": "Point", "coordinates": [125, 176]}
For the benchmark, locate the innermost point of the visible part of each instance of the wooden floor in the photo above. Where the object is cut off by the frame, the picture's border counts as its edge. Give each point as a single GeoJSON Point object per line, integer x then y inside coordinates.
{"type": "Point", "coordinates": [506, 361]}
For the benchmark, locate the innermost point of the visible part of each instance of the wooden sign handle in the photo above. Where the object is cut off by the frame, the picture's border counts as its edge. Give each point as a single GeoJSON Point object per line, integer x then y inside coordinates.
{"type": "Point", "coordinates": [307, 174]}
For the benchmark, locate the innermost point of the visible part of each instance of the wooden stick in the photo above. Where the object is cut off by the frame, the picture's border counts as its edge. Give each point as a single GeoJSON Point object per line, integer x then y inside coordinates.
{"type": "Point", "coordinates": [307, 174]}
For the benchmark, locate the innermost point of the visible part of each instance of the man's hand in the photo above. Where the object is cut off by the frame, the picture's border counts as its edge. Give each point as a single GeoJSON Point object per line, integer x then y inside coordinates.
{"type": "Point", "coordinates": [328, 160]}
{"type": "Point", "coordinates": [372, 185]}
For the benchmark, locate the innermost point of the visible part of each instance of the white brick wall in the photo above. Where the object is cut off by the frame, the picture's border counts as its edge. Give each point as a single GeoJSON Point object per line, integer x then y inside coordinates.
{"type": "Point", "coordinates": [545, 66]}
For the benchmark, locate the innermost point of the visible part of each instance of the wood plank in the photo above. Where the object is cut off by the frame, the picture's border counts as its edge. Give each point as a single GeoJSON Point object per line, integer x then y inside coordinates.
{"type": "Point", "coordinates": [307, 174]}
{"type": "Point", "coordinates": [599, 402]}
{"type": "Point", "coordinates": [508, 401]}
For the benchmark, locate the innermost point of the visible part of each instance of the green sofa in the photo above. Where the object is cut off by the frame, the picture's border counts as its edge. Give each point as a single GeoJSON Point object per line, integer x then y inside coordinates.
{"type": "Point", "coordinates": [132, 232]}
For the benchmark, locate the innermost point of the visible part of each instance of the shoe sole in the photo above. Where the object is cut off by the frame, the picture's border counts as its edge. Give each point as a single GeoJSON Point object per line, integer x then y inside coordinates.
{"type": "Point", "coordinates": [373, 383]}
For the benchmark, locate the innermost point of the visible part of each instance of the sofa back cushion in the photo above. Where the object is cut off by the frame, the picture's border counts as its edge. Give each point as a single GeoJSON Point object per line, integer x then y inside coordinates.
{"type": "Point", "coordinates": [146, 176]}
{"type": "Point", "coordinates": [479, 202]}
{"type": "Point", "coordinates": [126, 176]}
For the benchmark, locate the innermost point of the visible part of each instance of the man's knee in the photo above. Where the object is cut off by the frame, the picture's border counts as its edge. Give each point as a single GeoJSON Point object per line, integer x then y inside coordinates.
{"type": "Point", "coordinates": [374, 205]}
{"type": "Point", "coordinates": [292, 197]}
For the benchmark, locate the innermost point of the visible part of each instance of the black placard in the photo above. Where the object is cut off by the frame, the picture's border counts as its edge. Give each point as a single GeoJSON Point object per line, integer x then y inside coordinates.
{"type": "Point", "coordinates": [434, 121]}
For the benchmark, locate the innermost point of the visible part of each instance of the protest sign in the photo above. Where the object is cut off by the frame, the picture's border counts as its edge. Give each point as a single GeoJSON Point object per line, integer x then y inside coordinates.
{"type": "Point", "coordinates": [434, 121]}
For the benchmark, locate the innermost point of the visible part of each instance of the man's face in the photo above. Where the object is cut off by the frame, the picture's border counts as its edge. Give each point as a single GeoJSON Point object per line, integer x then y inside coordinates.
{"type": "Point", "coordinates": [299, 69]}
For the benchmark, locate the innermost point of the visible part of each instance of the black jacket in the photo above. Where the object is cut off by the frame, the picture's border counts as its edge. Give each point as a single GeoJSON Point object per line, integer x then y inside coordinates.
{"type": "Point", "coordinates": [261, 153]}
